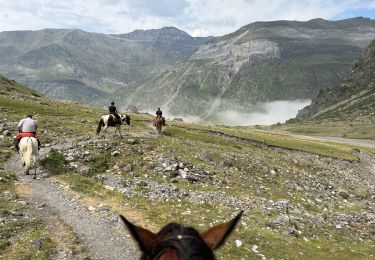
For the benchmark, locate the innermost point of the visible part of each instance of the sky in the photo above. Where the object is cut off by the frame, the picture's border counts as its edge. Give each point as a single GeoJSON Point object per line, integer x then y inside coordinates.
{"type": "Point", "coordinates": [196, 17]}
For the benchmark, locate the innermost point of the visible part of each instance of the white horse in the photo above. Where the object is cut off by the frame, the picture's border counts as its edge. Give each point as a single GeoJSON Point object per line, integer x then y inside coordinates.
{"type": "Point", "coordinates": [109, 120]}
{"type": "Point", "coordinates": [29, 153]}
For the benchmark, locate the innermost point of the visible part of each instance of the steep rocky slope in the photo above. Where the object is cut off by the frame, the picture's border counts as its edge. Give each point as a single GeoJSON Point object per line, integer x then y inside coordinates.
{"type": "Point", "coordinates": [354, 98]}
{"type": "Point", "coordinates": [264, 61]}
{"type": "Point", "coordinates": [8, 86]}
{"type": "Point", "coordinates": [78, 65]}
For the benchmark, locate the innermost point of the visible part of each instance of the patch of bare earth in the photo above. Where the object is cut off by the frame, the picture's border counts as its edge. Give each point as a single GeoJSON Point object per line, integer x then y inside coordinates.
{"type": "Point", "coordinates": [76, 231]}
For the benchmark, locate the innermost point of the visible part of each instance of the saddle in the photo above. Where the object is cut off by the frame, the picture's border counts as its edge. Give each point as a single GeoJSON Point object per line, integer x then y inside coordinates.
{"type": "Point", "coordinates": [19, 136]}
{"type": "Point", "coordinates": [22, 135]}
{"type": "Point", "coordinates": [116, 118]}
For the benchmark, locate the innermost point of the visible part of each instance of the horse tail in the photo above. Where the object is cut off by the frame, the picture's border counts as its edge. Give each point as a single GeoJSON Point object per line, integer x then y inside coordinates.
{"type": "Point", "coordinates": [101, 123]}
{"type": "Point", "coordinates": [28, 154]}
{"type": "Point", "coordinates": [127, 119]}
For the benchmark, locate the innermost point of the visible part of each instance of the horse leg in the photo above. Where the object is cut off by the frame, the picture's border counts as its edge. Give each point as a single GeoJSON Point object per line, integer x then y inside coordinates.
{"type": "Point", "coordinates": [104, 129]}
{"type": "Point", "coordinates": [35, 160]}
{"type": "Point", "coordinates": [158, 127]}
{"type": "Point", "coordinates": [119, 130]}
{"type": "Point", "coordinates": [25, 170]}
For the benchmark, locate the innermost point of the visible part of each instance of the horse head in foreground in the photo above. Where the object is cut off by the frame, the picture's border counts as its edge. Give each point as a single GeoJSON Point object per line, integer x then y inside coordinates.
{"type": "Point", "coordinates": [29, 153]}
{"type": "Point", "coordinates": [176, 242]}
{"type": "Point", "coordinates": [110, 120]}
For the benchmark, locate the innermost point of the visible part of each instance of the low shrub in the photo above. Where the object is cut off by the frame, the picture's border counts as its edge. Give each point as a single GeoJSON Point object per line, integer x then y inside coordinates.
{"type": "Point", "coordinates": [54, 162]}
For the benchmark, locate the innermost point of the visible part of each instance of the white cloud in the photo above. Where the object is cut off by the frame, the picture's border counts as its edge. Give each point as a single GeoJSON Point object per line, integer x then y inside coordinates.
{"type": "Point", "coordinates": [212, 17]}
{"type": "Point", "coordinates": [197, 17]}
{"type": "Point", "coordinates": [270, 113]}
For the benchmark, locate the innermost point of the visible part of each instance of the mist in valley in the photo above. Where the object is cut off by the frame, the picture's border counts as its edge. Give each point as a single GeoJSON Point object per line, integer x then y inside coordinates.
{"type": "Point", "coordinates": [262, 114]}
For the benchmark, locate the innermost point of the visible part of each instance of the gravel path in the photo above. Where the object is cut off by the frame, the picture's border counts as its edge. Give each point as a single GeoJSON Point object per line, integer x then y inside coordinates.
{"type": "Point", "coordinates": [103, 236]}
{"type": "Point", "coordinates": [357, 142]}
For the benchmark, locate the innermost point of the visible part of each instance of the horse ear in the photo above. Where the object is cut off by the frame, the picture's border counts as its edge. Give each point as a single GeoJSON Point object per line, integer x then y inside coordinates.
{"type": "Point", "coordinates": [215, 236]}
{"type": "Point", "coordinates": [144, 237]}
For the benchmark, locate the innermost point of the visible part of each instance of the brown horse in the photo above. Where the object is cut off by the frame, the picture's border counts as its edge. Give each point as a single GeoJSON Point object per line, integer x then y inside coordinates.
{"type": "Point", "coordinates": [176, 242]}
{"type": "Point", "coordinates": [158, 123]}
{"type": "Point", "coordinates": [109, 120]}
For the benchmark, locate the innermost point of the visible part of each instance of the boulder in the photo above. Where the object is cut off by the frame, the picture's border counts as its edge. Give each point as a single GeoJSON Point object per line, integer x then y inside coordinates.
{"type": "Point", "coordinates": [115, 153]}
{"type": "Point", "coordinates": [131, 141]}
{"type": "Point", "coordinates": [69, 158]}
{"type": "Point", "coordinates": [204, 156]}
{"type": "Point", "coordinates": [127, 167]}
{"type": "Point", "coordinates": [226, 161]}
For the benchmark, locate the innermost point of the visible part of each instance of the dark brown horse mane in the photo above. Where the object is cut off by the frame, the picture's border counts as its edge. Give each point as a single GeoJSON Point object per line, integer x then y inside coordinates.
{"type": "Point", "coordinates": [186, 241]}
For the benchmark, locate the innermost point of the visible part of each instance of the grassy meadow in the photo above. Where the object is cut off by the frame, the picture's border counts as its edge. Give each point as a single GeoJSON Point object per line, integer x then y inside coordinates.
{"type": "Point", "coordinates": [267, 174]}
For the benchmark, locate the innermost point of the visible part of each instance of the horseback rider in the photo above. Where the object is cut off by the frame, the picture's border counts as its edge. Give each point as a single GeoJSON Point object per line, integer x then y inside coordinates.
{"type": "Point", "coordinates": [26, 128]}
{"type": "Point", "coordinates": [113, 111]}
{"type": "Point", "coordinates": [159, 113]}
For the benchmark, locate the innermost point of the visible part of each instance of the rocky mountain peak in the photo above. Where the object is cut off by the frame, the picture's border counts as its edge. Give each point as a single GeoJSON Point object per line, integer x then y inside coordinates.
{"type": "Point", "coordinates": [162, 34]}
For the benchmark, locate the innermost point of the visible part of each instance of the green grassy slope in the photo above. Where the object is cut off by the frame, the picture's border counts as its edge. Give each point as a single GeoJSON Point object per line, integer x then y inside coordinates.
{"type": "Point", "coordinates": [8, 86]}
{"type": "Point", "coordinates": [315, 185]}
{"type": "Point", "coordinates": [347, 110]}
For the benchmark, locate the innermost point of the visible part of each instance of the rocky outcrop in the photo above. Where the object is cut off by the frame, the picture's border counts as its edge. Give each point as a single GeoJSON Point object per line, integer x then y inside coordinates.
{"type": "Point", "coordinates": [280, 60]}
{"type": "Point", "coordinates": [260, 62]}
{"type": "Point", "coordinates": [69, 63]}
{"type": "Point", "coordinates": [355, 95]}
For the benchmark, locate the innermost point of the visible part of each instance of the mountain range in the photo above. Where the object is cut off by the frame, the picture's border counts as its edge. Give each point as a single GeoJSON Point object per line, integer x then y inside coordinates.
{"type": "Point", "coordinates": [73, 64]}
{"type": "Point", "coordinates": [185, 75]}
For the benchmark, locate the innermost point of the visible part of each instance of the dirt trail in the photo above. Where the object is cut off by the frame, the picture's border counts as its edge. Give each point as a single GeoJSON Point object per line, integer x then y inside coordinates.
{"type": "Point", "coordinates": [103, 237]}
{"type": "Point", "coordinates": [356, 142]}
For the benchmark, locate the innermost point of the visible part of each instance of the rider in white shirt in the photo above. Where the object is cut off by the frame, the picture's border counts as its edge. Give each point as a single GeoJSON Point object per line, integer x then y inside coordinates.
{"type": "Point", "coordinates": [26, 125]}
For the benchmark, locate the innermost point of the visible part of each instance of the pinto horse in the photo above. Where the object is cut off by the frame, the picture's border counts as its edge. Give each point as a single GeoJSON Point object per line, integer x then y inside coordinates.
{"type": "Point", "coordinates": [29, 153]}
{"type": "Point", "coordinates": [109, 120]}
{"type": "Point", "coordinates": [176, 242]}
{"type": "Point", "coordinates": [158, 123]}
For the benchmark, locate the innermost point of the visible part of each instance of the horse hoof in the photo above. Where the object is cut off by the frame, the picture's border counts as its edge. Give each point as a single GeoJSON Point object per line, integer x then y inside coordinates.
{"type": "Point", "coordinates": [34, 177]}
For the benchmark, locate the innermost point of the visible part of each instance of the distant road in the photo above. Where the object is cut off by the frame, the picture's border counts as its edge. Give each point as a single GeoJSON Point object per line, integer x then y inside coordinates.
{"type": "Point", "coordinates": [357, 142]}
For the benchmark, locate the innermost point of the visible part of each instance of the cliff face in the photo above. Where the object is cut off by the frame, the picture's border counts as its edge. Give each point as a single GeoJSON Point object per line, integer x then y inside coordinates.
{"type": "Point", "coordinates": [73, 64]}
{"type": "Point", "coordinates": [267, 61]}
{"type": "Point", "coordinates": [354, 97]}
{"type": "Point", "coordinates": [260, 62]}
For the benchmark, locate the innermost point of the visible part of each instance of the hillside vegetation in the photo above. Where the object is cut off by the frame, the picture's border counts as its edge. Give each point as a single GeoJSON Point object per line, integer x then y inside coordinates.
{"type": "Point", "coordinates": [78, 65]}
{"type": "Point", "coordinates": [347, 110]}
{"type": "Point", "coordinates": [310, 199]}
{"type": "Point", "coordinates": [260, 62]}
